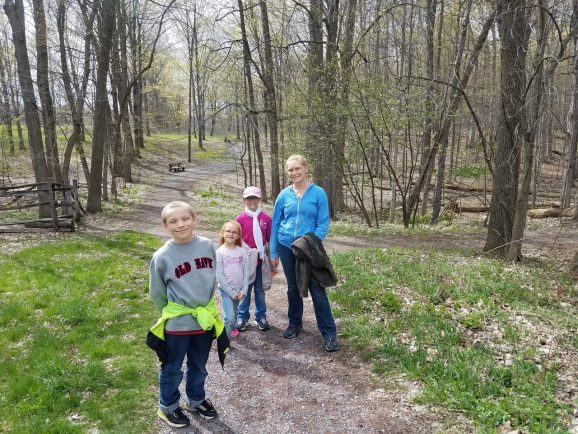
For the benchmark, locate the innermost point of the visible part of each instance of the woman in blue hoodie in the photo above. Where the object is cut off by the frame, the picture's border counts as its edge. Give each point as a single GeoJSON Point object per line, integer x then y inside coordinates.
{"type": "Point", "coordinates": [299, 209]}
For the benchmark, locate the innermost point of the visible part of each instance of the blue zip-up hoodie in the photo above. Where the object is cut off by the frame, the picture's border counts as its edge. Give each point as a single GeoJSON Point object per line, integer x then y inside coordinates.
{"type": "Point", "coordinates": [294, 216]}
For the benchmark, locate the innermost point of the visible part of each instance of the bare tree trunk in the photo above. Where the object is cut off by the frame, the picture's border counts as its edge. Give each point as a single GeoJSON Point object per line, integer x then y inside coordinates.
{"type": "Point", "coordinates": [459, 82]}
{"type": "Point", "coordinates": [191, 87]}
{"type": "Point", "coordinates": [75, 104]}
{"type": "Point", "coordinates": [135, 35]}
{"type": "Point", "coordinates": [15, 95]}
{"type": "Point", "coordinates": [6, 109]}
{"type": "Point", "coordinates": [146, 114]}
{"type": "Point", "coordinates": [200, 94]}
{"type": "Point", "coordinates": [271, 102]}
{"type": "Point", "coordinates": [15, 12]}
{"type": "Point", "coordinates": [443, 142]}
{"type": "Point", "coordinates": [570, 169]}
{"type": "Point", "coordinates": [44, 91]}
{"type": "Point", "coordinates": [252, 107]}
{"type": "Point", "coordinates": [93, 203]}
{"type": "Point", "coordinates": [342, 120]}
{"type": "Point", "coordinates": [427, 134]}
{"type": "Point", "coordinates": [511, 127]}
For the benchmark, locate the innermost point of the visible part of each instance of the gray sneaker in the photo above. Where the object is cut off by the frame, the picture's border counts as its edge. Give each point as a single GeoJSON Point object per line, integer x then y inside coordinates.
{"type": "Point", "coordinates": [262, 324]}
{"type": "Point", "coordinates": [241, 325]}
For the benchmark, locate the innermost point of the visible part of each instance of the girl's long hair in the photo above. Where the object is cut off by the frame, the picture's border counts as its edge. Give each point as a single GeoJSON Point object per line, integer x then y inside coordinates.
{"type": "Point", "coordinates": [237, 228]}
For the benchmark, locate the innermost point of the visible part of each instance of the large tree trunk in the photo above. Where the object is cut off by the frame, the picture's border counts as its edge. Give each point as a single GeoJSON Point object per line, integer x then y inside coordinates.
{"type": "Point", "coordinates": [534, 106]}
{"type": "Point", "coordinates": [570, 163]}
{"type": "Point", "coordinates": [316, 138]}
{"type": "Point", "coordinates": [44, 91]}
{"type": "Point", "coordinates": [252, 106]}
{"type": "Point", "coordinates": [271, 101]}
{"type": "Point", "coordinates": [342, 121]}
{"type": "Point", "coordinates": [75, 104]}
{"type": "Point", "coordinates": [16, 13]}
{"type": "Point", "coordinates": [93, 204]}
{"type": "Point", "coordinates": [511, 130]}
{"type": "Point", "coordinates": [427, 133]}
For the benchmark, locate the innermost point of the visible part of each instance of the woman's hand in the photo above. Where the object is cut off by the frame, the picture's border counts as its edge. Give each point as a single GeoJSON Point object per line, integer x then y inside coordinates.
{"type": "Point", "coordinates": [275, 262]}
{"type": "Point", "coordinates": [240, 296]}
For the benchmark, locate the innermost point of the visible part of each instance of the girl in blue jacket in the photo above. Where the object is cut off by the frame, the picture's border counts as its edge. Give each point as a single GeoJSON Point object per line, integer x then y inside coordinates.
{"type": "Point", "coordinates": [299, 209]}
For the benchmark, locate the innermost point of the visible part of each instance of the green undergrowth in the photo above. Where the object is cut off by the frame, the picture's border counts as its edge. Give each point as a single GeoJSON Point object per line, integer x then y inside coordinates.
{"type": "Point", "coordinates": [175, 148]}
{"type": "Point", "coordinates": [472, 171]}
{"type": "Point", "coordinates": [470, 330]}
{"type": "Point", "coordinates": [73, 316]}
{"type": "Point", "coordinates": [216, 205]}
{"type": "Point", "coordinates": [421, 226]}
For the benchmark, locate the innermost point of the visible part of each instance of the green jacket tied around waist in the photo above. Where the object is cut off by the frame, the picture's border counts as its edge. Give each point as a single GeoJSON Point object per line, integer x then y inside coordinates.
{"type": "Point", "coordinates": [207, 317]}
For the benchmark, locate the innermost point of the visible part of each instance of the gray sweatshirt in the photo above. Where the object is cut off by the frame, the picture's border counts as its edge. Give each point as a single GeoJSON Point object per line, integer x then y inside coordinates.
{"type": "Point", "coordinates": [183, 274]}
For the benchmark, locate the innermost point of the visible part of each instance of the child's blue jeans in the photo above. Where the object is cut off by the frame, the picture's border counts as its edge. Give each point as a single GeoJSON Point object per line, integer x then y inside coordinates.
{"type": "Point", "coordinates": [196, 348]}
{"type": "Point", "coordinates": [230, 310]}
{"type": "Point", "coordinates": [260, 306]}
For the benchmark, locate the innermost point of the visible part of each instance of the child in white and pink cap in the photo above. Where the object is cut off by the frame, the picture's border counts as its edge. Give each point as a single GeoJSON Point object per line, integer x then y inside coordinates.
{"type": "Point", "coordinates": [256, 230]}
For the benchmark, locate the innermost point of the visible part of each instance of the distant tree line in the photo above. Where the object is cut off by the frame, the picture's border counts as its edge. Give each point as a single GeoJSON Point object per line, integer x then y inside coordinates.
{"type": "Point", "coordinates": [387, 99]}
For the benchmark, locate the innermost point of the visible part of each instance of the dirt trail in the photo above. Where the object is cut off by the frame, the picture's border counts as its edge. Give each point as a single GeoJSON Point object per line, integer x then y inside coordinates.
{"type": "Point", "coordinates": [272, 385]}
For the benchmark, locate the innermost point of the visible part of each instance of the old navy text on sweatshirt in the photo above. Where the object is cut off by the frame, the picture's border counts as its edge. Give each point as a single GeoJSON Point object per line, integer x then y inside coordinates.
{"type": "Point", "coordinates": [184, 274]}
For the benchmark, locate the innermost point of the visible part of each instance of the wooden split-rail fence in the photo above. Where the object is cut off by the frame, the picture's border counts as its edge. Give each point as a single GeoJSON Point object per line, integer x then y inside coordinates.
{"type": "Point", "coordinates": [41, 205]}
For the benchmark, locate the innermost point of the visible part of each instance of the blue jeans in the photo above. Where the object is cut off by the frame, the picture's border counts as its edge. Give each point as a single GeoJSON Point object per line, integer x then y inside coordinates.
{"type": "Point", "coordinates": [323, 314]}
{"type": "Point", "coordinates": [196, 348]}
{"type": "Point", "coordinates": [230, 310]}
{"type": "Point", "coordinates": [260, 306]}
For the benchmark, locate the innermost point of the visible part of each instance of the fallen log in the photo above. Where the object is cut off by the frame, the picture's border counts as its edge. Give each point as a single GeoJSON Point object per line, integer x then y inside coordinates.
{"type": "Point", "coordinates": [542, 213]}
{"type": "Point", "coordinates": [467, 208]}
{"type": "Point", "coordinates": [458, 208]}
{"type": "Point", "coordinates": [467, 188]}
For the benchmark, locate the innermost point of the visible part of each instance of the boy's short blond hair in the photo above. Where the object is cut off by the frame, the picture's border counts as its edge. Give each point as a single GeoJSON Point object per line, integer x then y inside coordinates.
{"type": "Point", "coordinates": [176, 204]}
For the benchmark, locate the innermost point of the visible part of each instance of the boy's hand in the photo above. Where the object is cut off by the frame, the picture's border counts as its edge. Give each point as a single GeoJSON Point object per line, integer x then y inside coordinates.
{"type": "Point", "coordinates": [275, 262]}
{"type": "Point", "coordinates": [240, 296]}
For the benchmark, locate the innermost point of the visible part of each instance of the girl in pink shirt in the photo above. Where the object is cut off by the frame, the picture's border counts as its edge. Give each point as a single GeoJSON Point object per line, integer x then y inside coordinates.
{"type": "Point", "coordinates": [256, 228]}
{"type": "Point", "coordinates": [232, 273]}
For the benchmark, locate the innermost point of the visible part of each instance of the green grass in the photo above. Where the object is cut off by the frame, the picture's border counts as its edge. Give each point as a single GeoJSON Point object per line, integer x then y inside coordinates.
{"type": "Point", "coordinates": [175, 146]}
{"type": "Point", "coordinates": [446, 320]}
{"type": "Point", "coordinates": [473, 171]}
{"type": "Point", "coordinates": [72, 322]}
{"type": "Point", "coordinates": [420, 227]}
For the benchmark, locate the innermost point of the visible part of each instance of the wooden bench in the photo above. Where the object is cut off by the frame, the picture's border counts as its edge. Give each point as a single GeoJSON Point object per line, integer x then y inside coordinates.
{"type": "Point", "coordinates": [176, 167]}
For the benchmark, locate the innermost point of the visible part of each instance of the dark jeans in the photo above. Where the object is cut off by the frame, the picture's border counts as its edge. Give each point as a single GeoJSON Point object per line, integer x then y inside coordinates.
{"type": "Point", "coordinates": [323, 314]}
{"type": "Point", "coordinates": [196, 348]}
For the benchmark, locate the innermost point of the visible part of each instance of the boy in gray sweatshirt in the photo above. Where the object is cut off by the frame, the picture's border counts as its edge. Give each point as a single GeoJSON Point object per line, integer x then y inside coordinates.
{"type": "Point", "coordinates": [182, 279]}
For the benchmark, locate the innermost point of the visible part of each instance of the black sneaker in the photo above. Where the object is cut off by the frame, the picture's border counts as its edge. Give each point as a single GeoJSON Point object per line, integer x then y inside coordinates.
{"type": "Point", "coordinates": [292, 331]}
{"type": "Point", "coordinates": [241, 325]}
{"type": "Point", "coordinates": [205, 409]}
{"type": "Point", "coordinates": [331, 345]}
{"type": "Point", "coordinates": [263, 324]}
{"type": "Point", "coordinates": [177, 418]}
